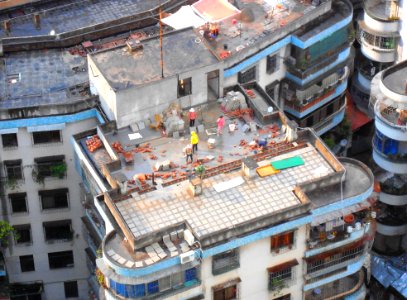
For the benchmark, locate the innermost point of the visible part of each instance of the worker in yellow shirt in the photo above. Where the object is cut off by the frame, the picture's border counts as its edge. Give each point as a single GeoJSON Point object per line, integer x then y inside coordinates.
{"type": "Point", "coordinates": [194, 141]}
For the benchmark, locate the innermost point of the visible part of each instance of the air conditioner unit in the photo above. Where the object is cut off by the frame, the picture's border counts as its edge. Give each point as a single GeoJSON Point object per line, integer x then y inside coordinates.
{"type": "Point", "coordinates": [189, 237]}
{"type": "Point", "coordinates": [187, 257]}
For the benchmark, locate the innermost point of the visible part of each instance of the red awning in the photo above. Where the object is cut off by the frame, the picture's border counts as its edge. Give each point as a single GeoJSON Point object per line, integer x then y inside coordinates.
{"type": "Point", "coordinates": [355, 116]}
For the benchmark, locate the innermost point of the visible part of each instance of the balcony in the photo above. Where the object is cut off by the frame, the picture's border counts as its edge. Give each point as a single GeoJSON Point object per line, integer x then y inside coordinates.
{"type": "Point", "coordinates": [338, 288]}
{"type": "Point", "coordinates": [331, 121]}
{"type": "Point", "coordinates": [382, 10]}
{"type": "Point", "coordinates": [333, 260]}
{"type": "Point", "coordinates": [380, 47]}
{"type": "Point", "coordinates": [392, 220]}
{"type": "Point", "coordinates": [303, 102]}
{"type": "Point", "coordinates": [393, 191]}
{"type": "Point", "coordinates": [322, 241]}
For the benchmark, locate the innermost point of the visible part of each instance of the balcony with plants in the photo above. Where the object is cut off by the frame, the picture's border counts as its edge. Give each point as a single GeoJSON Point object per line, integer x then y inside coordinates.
{"type": "Point", "coordinates": [336, 233]}
{"type": "Point", "coordinates": [49, 167]}
{"type": "Point", "coordinates": [385, 42]}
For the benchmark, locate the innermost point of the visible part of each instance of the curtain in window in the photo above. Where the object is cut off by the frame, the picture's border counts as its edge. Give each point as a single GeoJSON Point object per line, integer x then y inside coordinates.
{"type": "Point", "coordinates": [190, 274]}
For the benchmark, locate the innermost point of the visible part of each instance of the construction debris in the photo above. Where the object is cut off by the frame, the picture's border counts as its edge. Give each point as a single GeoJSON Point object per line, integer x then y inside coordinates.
{"type": "Point", "coordinates": [93, 143]}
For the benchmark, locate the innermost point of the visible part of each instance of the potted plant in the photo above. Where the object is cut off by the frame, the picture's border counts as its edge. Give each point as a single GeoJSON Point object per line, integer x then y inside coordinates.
{"type": "Point", "coordinates": [58, 170]}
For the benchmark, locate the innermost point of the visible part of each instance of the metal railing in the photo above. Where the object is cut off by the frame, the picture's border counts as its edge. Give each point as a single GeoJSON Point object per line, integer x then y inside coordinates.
{"type": "Point", "coordinates": [335, 259]}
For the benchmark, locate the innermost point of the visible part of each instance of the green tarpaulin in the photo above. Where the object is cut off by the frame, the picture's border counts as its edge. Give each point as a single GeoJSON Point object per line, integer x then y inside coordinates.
{"type": "Point", "coordinates": [287, 163]}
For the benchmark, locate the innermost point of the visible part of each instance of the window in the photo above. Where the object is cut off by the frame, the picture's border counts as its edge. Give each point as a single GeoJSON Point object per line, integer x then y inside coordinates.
{"type": "Point", "coordinates": [54, 166]}
{"type": "Point", "coordinates": [27, 263]}
{"type": "Point", "coordinates": [58, 230]}
{"type": "Point", "coordinates": [280, 275]}
{"type": "Point", "coordinates": [71, 289]}
{"type": "Point", "coordinates": [14, 169]}
{"type": "Point", "coordinates": [23, 234]}
{"type": "Point", "coordinates": [152, 287]}
{"type": "Point", "coordinates": [54, 199]}
{"type": "Point", "coordinates": [9, 140]}
{"type": "Point", "coordinates": [282, 241]}
{"type": "Point", "coordinates": [226, 291]}
{"type": "Point", "coordinates": [184, 87]}
{"type": "Point", "coordinates": [63, 259]}
{"type": "Point", "coordinates": [247, 76]}
{"type": "Point", "coordinates": [18, 203]}
{"type": "Point", "coordinates": [226, 261]}
{"type": "Point", "coordinates": [271, 64]}
{"type": "Point", "coordinates": [330, 109]}
{"type": "Point", "coordinates": [310, 121]}
{"type": "Point", "coordinates": [43, 137]}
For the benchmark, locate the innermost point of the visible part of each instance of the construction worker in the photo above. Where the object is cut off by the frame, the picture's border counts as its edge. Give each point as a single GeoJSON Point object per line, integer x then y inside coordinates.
{"type": "Point", "coordinates": [194, 141]}
{"type": "Point", "coordinates": [188, 153]}
{"type": "Point", "coordinates": [192, 117]}
{"type": "Point", "coordinates": [221, 123]}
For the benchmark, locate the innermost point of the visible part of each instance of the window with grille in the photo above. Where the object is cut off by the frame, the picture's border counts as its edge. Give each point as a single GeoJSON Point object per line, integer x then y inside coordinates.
{"type": "Point", "coordinates": [226, 261]}
{"type": "Point", "coordinates": [227, 291]}
{"type": "Point", "coordinates": [18, 203]}
{"type": "Point", "coordinates": [281, 275]}
{"type": "Point", "coordinates": [44, 137]}
{"type": "Point", "coordinates": [271, 64]}
{"type": "Point", "coordinates": [14, 170]}
{"type": "Point", "coordinates": [71, 289]}
{"type": "Point", "coordinates": [247, 76]}
{"type": "Point", "coordinates": [9, 140]}
{"type": "Point", "coordinates": [284, 240]}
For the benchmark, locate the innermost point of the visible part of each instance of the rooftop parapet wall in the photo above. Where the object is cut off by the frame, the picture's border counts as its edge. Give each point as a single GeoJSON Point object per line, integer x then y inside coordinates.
{"type": "Point", "coordinates": [92, 32]}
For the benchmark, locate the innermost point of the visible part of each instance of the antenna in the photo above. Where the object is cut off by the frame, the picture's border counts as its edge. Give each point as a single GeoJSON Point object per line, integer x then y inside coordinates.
{"type": "Point", "coordinates": [161, 42]}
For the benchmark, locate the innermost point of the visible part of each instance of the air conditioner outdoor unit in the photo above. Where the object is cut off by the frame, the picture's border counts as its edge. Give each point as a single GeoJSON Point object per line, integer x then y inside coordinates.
{"type": "Point", "coordinates": [187, 257]}
{"type": "Point", "coordinates": [189, 237]}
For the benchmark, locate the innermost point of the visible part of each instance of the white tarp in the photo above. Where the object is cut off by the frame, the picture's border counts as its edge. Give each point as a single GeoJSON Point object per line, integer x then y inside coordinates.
{"type": "Point", "coordinates": [183, 18]}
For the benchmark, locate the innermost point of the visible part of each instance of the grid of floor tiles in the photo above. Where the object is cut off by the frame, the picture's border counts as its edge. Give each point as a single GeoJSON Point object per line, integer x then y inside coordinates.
{"type": "Point", "coordinates": [213, 211]}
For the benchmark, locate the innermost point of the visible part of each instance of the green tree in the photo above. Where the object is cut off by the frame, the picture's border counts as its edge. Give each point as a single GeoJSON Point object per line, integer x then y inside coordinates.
{"type": "Point", "coordinates": [5, 232]}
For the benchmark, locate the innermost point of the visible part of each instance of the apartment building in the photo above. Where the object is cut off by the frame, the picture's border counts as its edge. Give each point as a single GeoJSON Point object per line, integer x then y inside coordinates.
{"type": "Point", "coordinates": [381, 35]}
{"type": "Point", "coordinates": [389, 99]}
{"type": "Point", "coordinates": [45, 100]}
{"type": "Point", "coordinates": [230, 233]}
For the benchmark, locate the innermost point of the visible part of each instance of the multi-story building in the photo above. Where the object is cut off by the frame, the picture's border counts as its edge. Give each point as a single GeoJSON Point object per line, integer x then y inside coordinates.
{"type": "Point", "coordinates": [45, 100]}
{"type": "Point", "coordinates": [381, 34]}
{"type": "Point", "coordinates": [389, 99]}
{"type": "Point", "coordinates": [302, 233]}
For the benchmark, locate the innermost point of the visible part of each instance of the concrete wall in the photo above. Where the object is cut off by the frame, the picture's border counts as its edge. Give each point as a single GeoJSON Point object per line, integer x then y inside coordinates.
{"type": "Point", "coordinates": [142, 102]}
{"type": "Point", "coordinates": [100, 86]}
{"type": "Point", "coordinates": [255, 258]}
{"type": "Point", "coordinates": [53, 279]}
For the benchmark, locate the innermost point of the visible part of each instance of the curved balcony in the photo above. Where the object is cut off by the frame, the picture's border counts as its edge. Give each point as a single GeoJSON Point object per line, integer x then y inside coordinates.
{"type": "Point", "coordinates": [391, 230]}
{"type": "Point", "coordinates": [385, 11]}
{"type": "Point", "coordinates": [338, 288]}
{"type": "Point", "coordinates": [393, 82]}
{"type": "Point", "coordinates": [388, 245]}
{"type": "Point", "coordinates": [389, 163]}
{"type": "Point", "coordinates": [392, 220]}
{"type": "Point", "coordinates": [393, 191]}
{"type": "Point", "coordinates": [391, 119]}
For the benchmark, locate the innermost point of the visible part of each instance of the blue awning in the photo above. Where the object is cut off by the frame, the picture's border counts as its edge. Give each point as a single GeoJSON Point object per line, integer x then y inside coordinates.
{"type": "Point", "coordinates": [46, 127]}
